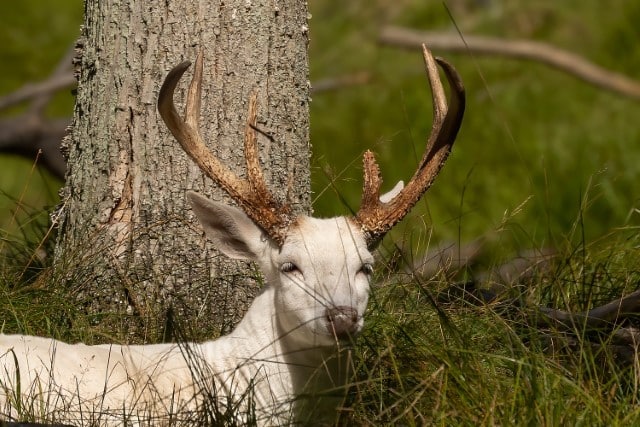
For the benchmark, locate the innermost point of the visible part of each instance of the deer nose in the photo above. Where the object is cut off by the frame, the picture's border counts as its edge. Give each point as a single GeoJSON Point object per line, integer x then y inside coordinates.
{"type": "Point", "coordinates": [342, 321]}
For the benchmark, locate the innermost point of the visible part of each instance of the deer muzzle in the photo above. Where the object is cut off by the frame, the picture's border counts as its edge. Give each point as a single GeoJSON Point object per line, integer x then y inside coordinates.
{"type": "Point", "coordinates": [342, 322]}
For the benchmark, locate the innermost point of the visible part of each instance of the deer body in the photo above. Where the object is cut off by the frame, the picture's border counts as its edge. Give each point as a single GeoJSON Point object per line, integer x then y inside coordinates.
{"type": "Point", "coordinates": [284, 346]}
{"type": "Point", "coordinates": [285, 361]}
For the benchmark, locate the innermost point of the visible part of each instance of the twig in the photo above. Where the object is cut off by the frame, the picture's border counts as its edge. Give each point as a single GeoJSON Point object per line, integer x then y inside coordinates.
{"type": "Point", "coordinates": [521, 49]}
{"type": "Point", "coordinates": [329, 84]}
{"type": "Point", "coordinates": [32, 90]}
{"type": "Point", "coordinates": [448, 258]}
{"type": "Point", "coordinates": [59, 75]}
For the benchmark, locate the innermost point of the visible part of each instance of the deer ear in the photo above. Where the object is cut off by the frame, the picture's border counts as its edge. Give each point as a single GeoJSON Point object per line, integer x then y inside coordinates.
{"type": "Point", "coordinates": [230, 229]}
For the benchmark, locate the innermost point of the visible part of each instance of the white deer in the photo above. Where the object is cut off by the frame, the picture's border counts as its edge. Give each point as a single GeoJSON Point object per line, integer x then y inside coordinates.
{"type": "Point", "coordinates": [282, 364]}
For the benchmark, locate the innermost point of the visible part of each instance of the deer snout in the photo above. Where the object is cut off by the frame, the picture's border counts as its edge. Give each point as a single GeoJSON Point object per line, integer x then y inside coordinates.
{"type": "Point", "coordinates": [342, 321]}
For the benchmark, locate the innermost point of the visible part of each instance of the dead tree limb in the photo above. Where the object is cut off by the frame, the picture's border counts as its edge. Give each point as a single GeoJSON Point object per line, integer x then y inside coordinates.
{"type": "Point", "coordinates": [604, 316]}
{"type": "Point", "coordinates": [610, 329]}
{"type": "Point", "coordinates": [520, 49]}
{"type": "Point", "coordinates": [27, 135]}
{"type": "Point", "coordinates": [31, 133]}
{"type": "Point", "coordinates": [446, 258]}
{"type": "Point", "coordinates": [32, 90]}
{"type": "Point", "coordinates": [59, 76]}
{"type": "Point", "coordinates": [40, 93]}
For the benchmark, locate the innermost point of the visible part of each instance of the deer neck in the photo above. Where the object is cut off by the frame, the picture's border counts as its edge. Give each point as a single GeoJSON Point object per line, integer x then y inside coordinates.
{"type": "Point", "coordinates": [261, 339]}
{"type": "Point", "coordinates": [268, 356]}
{"type": "Point", "coordinates": [252, 349]}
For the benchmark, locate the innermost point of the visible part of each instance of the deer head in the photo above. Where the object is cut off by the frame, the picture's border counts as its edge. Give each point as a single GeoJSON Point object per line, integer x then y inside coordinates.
{"type": "Point", "coordinates": [320, 268]}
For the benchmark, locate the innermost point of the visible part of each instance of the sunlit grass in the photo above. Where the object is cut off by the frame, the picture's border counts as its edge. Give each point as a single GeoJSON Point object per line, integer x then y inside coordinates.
{"type": "Point", "coordinates": [425, 361]}
{"type": "Point", "coordinates": [461, 364]}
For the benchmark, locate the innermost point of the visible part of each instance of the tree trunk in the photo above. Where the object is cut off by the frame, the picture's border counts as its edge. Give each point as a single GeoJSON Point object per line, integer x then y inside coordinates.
{"type": "Point", "coordinates": [129, 242]}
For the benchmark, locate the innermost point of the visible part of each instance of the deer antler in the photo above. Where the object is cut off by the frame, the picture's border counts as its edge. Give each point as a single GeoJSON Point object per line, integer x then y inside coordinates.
{"type": "Point", "coordinates": [251, 194]}
{"type": "Point", "coordinates": [377, 217]}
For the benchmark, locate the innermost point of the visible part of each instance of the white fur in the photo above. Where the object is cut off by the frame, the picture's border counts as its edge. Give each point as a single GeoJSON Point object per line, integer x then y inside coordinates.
{"type": "Point", "coordinates": [283, 350]}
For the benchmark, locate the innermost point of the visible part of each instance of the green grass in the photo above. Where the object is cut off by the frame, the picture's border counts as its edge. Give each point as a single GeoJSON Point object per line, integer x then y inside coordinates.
{"type": "Point", "coordinates": [459, 364]}
{"type": "Point", "coordinates": [425, 361]}
{"type": "Point", "coordinates": [543, 160]}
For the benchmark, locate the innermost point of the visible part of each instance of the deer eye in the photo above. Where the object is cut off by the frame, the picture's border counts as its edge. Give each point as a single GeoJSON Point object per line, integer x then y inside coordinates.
{"type": "Point", "coordinates": [288, 267]}
{"type": "Point", "coordinates": [367, 269]}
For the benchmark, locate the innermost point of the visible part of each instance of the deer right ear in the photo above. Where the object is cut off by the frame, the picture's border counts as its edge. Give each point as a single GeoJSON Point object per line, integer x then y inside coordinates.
{"type": "Point", "coordinates": [230, 229]}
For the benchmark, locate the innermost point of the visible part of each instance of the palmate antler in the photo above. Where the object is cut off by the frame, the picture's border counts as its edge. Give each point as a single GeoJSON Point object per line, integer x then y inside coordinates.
{"type": "Point", "coordinates": [376, 217]}
{"type": "Point", "coordinates": [250, 194]}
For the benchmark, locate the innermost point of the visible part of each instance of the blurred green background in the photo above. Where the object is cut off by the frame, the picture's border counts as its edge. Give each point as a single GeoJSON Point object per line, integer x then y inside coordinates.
{"type": "Point", "coordinates": [542, 158]}
{"type": "Point", "coordinates": [34, 36]}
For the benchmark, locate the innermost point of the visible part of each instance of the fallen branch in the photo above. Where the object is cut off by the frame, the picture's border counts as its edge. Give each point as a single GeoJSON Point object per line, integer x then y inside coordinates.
{"type": "Point", "coordinates": [604, 316]}
{"type": "Point", "coordinates": [526, 265]}
{"type": "Point", "coordinates": [27, 135]}
{"type": "Point", "coordinates": [520, 49]}
{"type": "Point", "coordinates": [608, 329]}
{"type": "Point", "coordinates": [31, 134]}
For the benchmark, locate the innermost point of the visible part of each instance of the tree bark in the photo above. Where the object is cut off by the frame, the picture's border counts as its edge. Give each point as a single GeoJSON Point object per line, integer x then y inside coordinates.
{"type": "Point", "coordinates": [128, 242]}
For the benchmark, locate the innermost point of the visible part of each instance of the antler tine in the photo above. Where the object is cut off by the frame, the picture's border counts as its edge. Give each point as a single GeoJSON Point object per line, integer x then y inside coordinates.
{"type": "Point", "coordinates": [254, 172]}
{"type": "Point", "coordinates": [252, 194]}
{"type": "Point", "coordinates": [376, 217]}
{"type": "Point", "coordinates": [194, 95]}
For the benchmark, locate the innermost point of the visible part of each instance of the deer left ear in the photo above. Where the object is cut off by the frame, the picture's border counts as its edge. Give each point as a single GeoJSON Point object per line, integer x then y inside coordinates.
{"type": "Point", "coordinates": [230, 229]}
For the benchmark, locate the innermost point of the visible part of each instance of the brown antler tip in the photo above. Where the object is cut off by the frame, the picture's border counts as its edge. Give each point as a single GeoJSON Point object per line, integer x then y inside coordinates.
{"type": "Point", "coordinates": [165, 96]}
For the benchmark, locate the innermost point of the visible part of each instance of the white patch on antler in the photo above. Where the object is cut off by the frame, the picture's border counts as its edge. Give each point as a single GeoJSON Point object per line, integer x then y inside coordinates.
{"type": "Point", "coordinates": [386, 197]}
